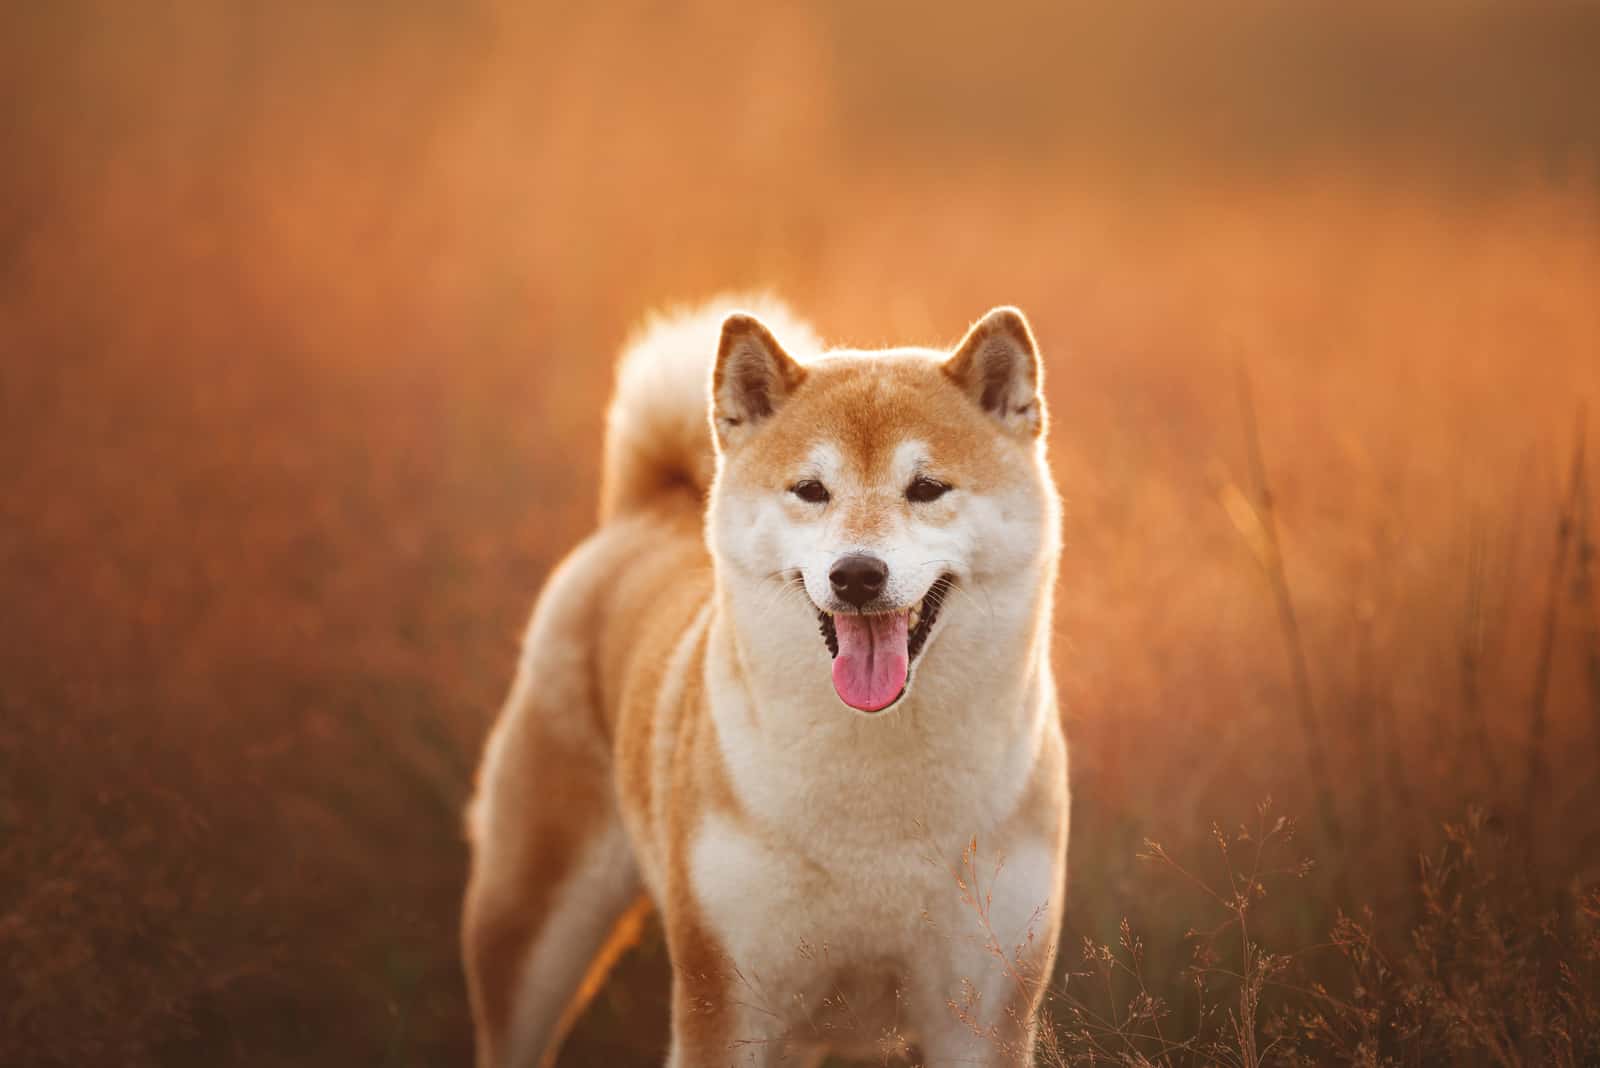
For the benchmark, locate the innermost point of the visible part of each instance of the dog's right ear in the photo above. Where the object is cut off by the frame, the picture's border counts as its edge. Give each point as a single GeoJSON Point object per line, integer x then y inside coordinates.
{"type": "Point", "coordinates": [997, 365]}
{"type": "Point", "coordinates": [754, 376]}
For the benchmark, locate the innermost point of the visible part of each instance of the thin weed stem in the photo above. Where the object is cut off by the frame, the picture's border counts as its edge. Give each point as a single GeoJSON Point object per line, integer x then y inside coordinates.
{"type": "Point", "coordinates": [1316, 754]}
{"type": "Point", "coordinates": [1534, 780]}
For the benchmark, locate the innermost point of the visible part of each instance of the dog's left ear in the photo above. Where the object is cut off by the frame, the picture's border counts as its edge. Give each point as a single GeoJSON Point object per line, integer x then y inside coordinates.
{"type": "Point", "coordinates": [997, 365]}
{"type": "Point", "coordinates": [752, 379]}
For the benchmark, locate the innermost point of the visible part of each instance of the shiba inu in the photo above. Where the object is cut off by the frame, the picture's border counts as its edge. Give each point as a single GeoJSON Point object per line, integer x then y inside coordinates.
{"type": "Point", "coordinates": [796, 694]}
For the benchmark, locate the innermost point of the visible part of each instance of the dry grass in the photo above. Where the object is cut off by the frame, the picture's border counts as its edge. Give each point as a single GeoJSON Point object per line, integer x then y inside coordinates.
{"type": "Point", "coordinates": [306, 321]}
{"type": "Point", "coordinates": [1491, 972]}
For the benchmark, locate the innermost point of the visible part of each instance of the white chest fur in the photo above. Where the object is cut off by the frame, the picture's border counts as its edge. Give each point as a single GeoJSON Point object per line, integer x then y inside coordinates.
{"type": "Point", "coordinates": [846, 892]}
{"type": "Point", "coordinates": [866, 956]}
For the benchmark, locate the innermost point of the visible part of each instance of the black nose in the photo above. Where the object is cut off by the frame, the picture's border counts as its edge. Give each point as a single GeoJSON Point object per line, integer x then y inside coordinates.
{"type": "Point", "coordinates": [858, 578]}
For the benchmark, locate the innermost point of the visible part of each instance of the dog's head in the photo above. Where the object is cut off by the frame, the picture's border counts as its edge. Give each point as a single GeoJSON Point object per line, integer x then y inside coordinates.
{"type": "Point", "coordinates": [899, 490]}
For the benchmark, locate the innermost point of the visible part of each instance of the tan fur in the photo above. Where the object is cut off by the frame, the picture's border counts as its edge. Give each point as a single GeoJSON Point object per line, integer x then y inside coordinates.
{"type": "Point", "coordinates": [642, 750]}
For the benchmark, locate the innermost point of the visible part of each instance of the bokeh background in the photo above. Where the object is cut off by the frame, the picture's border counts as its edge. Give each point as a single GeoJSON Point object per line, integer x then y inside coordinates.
{"type": "Point", "coordinates": [307, 315]}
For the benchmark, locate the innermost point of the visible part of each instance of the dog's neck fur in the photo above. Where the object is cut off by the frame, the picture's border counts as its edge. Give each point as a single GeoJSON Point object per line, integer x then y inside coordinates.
{"type": "Point", "coordinates": [957, 744]}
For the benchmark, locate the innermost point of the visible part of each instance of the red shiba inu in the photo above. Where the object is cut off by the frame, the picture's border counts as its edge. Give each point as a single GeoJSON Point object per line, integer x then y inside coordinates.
{"type": "Point", "coordinates": [795, 682]}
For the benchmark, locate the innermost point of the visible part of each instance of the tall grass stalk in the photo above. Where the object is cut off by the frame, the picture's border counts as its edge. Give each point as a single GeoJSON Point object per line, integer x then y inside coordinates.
{"type": "Point", "coordinates": [1294, 645]}
{"type": "Point", "coordinates": [1565, 530]}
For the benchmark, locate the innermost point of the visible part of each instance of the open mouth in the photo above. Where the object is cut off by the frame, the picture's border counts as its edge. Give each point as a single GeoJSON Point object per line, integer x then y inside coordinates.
{"type": "Point", "coordinates": [872, 652]}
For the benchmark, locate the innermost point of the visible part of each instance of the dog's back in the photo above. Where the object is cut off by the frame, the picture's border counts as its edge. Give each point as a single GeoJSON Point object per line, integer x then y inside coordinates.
{"type": "Point", "coordinates": [555, 892]}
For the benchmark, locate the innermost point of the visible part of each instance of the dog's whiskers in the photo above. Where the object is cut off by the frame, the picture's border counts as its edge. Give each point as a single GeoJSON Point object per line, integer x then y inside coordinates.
{"type": "Point", "coordinates": [962, 586]}
{"type": "Point", "coordinates": [786, 583]}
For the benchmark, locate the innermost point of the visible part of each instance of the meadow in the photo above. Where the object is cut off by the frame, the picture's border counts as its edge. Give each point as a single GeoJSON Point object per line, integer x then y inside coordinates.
{"type": "Point", "coordinates": [307, 321]}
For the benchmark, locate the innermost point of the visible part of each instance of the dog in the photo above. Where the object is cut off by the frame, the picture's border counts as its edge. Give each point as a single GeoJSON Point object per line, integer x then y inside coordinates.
{"type": "Point", "coordinates": [796, 693]}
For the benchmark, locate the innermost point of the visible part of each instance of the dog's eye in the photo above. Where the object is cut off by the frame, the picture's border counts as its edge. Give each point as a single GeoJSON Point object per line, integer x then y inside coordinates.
{"type": "Point", "coordinates": [811, 491]}
{"type": "Point", "coordinates": [924, 489]}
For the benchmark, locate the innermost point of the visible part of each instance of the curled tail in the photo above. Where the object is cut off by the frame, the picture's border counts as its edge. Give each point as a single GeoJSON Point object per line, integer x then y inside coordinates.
{"type": "Point", "coordinates": [658, 427]}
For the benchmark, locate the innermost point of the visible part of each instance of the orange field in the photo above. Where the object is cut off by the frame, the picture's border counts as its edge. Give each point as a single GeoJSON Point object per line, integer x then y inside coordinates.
{"type": "Point", "coordinates": [306, 322]}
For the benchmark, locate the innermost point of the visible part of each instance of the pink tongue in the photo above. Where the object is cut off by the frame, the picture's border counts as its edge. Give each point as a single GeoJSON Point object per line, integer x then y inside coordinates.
{"type": "Point", "coordinates": [870, 670]}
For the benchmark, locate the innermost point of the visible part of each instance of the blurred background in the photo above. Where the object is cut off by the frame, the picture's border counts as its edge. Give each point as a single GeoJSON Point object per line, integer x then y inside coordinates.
{"type": "Point", "coordinates": [307, 315]}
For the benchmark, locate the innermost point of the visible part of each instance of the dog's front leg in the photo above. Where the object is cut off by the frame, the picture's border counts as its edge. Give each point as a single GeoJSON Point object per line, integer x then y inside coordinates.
{"type": "Point", "coordinates": [721, 1013]}
{"type": "Point", "coordinates": [975, 995]}
{"type": "Point", "coordinates": [975, 1023]}
{"type": "Point", "coordinates": [712, 1027]}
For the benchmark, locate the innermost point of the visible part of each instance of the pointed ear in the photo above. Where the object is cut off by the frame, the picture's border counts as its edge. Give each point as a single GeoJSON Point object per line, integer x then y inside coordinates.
{"type": "Point", "coordinates": [997, 365]}
{"type": "Point", "coordinates": [754, 376]}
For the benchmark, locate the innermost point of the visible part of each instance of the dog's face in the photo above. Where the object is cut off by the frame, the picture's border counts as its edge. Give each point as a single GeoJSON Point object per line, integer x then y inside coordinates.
{"type": "Point", "coordinates": [895, 489]}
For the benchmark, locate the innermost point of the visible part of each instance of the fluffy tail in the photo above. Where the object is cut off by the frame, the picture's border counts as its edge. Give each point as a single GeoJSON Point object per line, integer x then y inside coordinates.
{"type": "Point", "coordinates": [658, 428]}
